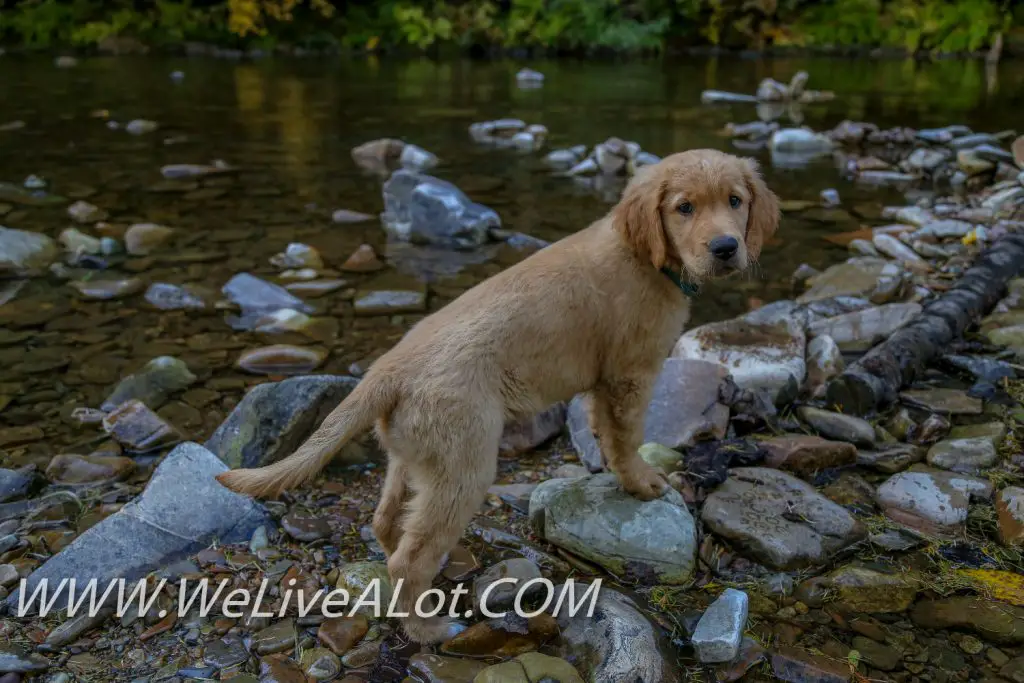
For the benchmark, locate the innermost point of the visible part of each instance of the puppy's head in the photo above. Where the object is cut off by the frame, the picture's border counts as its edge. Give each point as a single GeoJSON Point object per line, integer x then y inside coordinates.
{"type": "Point", "coordinates": [703, 210]}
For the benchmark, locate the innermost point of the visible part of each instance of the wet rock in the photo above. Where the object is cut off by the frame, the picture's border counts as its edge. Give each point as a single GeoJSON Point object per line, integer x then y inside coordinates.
{"type": "Point", "coordinates": [141, 126]}
{"type": "Point", "coordinates": [84, 212]}
{"type": "Point", "coordinates": [426, 210]}
{"type": "Point", "coordinates": [890, 458]}
{"type": "Point", "coordinates": [931, 430]}
{"type": "Point", "coordinates": [143, 238]}
{"type": "Point", "coordinates": [16, 659]}
{"type": "Point", "coordinates": [305, 528]}
{"type": "Point", "coordinates": [298, 255]}
{"type": "Point", "coordinates": [182, 510]}
{"type": "Point", "coordinates": [596, 519]}
{"type": "Point", "coordinates": [720, 630]}
{"type": "Point", "coordinates": [719, 96]}
{"type": "Point", "coordinates": [892, 247]}
{"type": "Point", "coordinates": [75, 627]}
{"type": "Point", "coordinates": [943, 401]}
{"type": "Point", "coordinates": [1005, 198]}
{"type": "Point", "coordinates": [981, 367]}
{"type": "Point", "coordinates": [972, 163]}
{"type": "Point", "coordinates": [684, 408]}
{"type": "Point", "coordinates": [273, 419]}
{"type": "Point", "coordinates": [928, 159]}
{"type": "Point", "coordinates": [105, 290]}
{"type": "Point", "coordinates": [15, 484]}
{"type": "Point", "coordinates": [153, 384]}
{"type": "Point", "coordinates": [759, 356]}
{"type": "Point", "coordinates": [613, 644]}
{"type": "Point", "coordinates": [804, 454]}
{"type": "Point", "coordinates": [795, 665]}
{"type": "Point", "coordinates": [877, 654]}
{"type": "Point", "coordinates": [77, 242]}
{"type": "Point", "coordinates": [824, 361]}
{"type": "Point", "coordinates": [348, 216]}
{"type": "Point", "coordinates": [363, 260]}
{"type": "Point", "coordinates": [503, 637]}
{"type": "Point", "coordinates": [16, 436]}
{"type": "Point", "coordinates": [858, 588]}
{"type": "Point", "coordinates": [279, 637]}
{"type": "Point", "coordinates": [860, 330]}
{"type": "Point", "coordinates": [281, 359]}
{"type": "Point", "coordinates": [25, 253]}
{"type": "Point", "coordinates": [663, 457]}
{"type": "Point", "coordinates": [257, 297]}
{"type": "Point", "coordinates": [167, 297]}
{"type": "Point", "coordinates": [779, 520]}
{"type": "Point", "coordinates": [857, 277]}
{"type": "Point", "coordinates": [225, 652]}
{"type": "Point", "coordinates": [174, 171]}
{"type": "Point", "coordinates": [839, 426]}
{"type": "Point", "coordinates": [341, 634]}
{"type": "Point", "coordinates": [359, 577]}
{"type": "Point", "coordinates": [799, 141]}
{"type": "Point", "coordinates": [389, 301]}
{"type": "Point", "coordinates": [532, 432]}
{"type": "Point", "coordinates": [315, 288]}
{"type": "Point", "coordinates": [943, 229]}
{"type": "Point", "coordinates": [965, 455]}
{"type": "Point", "coordinates": [992, 620]}
{"type": "Point", "coordinates": [931, 500]}
{"type": "Point", "coordinates": [529, 75]}
{"type": "Point", "coordinates": [437, 669]}
{"type": "Point", "coordinates": [499, 585]}
{"type": "Point", "coordinates": [320, 664]}
{"type": "Point", "coordinates": [565, 158]}
{"type": "Point", "coordinates": [138, 428]}
{"type": "Point", "coordinates": [1010, 513]}
{"type": "Point", "coordinates": [84, 469]}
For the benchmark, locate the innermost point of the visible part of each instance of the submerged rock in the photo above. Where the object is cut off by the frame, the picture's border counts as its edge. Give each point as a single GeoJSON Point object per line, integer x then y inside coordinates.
{"type": "Point", "coordinates": [84, 212]}
{"type": "Point", "coordinates": [182, 510]}
{"type": "Point", "coordinates": [138, 428]}
{"type": "Point", "coordinates": [143, 238]}
{"type": "Point", "coordinates": [255, 296]}
{"type": "Point", "coordinates": [684, 408]}
{"type": "Point", "coordinates": [15, 484]}
{"type": "Point", "coordinates": [363, 260]}
{"type": "Point", "coordinates": [857, 277]}
{"type": "Point", "coordinates": [779, 520]}
{"type": "Point", "coordinates": [426, 210]}
{"type": "Point", "coordinates": [273, 419]}
{"type": "Point", "coordinates": [84, 469]}
{"type": "Point", "coordinates": [760, 356]}
{"type": "Point", "coordinates": [594, 517]}
{"type": "Point", "coordinates": [152, 385]}
{"type": "Point", "coordinates": [25, 253]}
{"type": "Point", "coordinates": [168, 297]}
{"type": "Point", "coordinates": [281, 359]}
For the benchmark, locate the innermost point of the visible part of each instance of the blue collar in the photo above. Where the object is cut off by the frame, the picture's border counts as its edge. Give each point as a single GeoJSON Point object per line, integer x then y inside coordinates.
{"type": "Point", "coordinates": [689, 289]}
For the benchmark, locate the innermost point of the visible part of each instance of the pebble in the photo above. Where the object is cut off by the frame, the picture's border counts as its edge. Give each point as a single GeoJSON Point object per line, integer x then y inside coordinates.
{"type": "Point", "coordinates": [839, 426]}
{"type": "Point", "coordinates": [305, 528]}
{"type": "Point", "coordinates": [84, 469]}
{"type": "Point", "coordinates": [276, 638]}
{"type": "Point", "coordinates": [363, 260]}
{"type": "Point", "coordinates": [141, 126]}
{"type": "Point", "coordinates": [494, 596]}
{"type": "Point", "coordinates": [143, 238]}
{"type": "Point", "coordinates": [281, 359]}
{"type": "Point", "coordinates": [341, 634]}
{"type": "Point", "coordinates": [720, 630]}
{"type": "Point", "coordinates": [298, 255]}
{"type": "Point", "coordinates": [84, 212]}
{"type": "Point", "coordinates": [105, 290]}
{"type": "Point", "coordinates": [138, 428]}
{"type": "Point", "coordinates": [1010, 515]}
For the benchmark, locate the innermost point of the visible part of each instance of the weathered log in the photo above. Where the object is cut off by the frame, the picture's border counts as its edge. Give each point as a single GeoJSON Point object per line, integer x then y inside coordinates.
{"type": "Point", "coordinates": [874, 380]}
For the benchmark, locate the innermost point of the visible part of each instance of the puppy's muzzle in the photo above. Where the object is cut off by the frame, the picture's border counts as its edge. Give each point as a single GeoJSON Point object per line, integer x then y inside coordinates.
{"type": "Point", "coordinates": [724, 250]}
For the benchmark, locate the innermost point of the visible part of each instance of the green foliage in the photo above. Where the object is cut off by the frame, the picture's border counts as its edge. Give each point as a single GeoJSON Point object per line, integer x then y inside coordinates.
{"type": "Point", "coordinates": [928, 26]}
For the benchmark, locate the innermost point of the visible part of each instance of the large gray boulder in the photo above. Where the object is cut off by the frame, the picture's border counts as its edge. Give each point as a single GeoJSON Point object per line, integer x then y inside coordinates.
{"type": "Point", "coordinates": [182, 510]}
{"type": "Point", "coordinates": [273, 419]}
{"type": "Point", "coordinates": [684, 408]}
{"type": "Point", "coordinates": [654, 541]}
{"type": "Point", "coordinates": [426, 210]}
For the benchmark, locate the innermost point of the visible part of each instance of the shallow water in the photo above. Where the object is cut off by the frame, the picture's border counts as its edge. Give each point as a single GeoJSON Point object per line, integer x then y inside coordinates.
{"type": "Point", "coordinates": [289, 126]}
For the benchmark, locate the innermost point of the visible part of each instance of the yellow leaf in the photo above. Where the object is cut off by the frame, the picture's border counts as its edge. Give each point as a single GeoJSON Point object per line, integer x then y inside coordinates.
{"type": "Point", "coordinates": [372, 43]}
{"type": "Point", "coordinates": [970, 238]}
{"type": "Point", "coordinates": [1005, 586]}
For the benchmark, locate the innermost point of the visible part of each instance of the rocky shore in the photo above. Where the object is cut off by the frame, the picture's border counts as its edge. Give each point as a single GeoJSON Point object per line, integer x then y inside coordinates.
{"type": "Point", "coordinates": [803, 541]}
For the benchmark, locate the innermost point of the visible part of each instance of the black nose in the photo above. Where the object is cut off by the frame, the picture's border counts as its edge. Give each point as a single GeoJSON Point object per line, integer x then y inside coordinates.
{"type": "Point", "coordinates": [724, 248]}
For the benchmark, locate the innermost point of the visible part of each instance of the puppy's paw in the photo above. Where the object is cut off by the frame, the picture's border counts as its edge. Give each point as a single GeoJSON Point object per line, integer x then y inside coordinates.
{"type": "Point", "coordinates": [643, 481]}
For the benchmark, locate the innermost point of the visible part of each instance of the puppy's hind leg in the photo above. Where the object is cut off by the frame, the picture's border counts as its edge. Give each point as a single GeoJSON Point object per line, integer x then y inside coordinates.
{"type": "Point", "coordinates": [450, 484]}
{"type": "Point", "coordinates": [387, 518]}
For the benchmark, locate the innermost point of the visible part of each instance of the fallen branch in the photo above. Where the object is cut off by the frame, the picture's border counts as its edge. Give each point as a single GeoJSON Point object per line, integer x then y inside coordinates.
{"type": "Point", "coordinates": [875, 379]}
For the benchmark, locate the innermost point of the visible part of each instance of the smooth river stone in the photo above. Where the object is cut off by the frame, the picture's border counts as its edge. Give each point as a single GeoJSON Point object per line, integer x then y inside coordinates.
{"type": "Point", "coordinates": [108, 289]}
{"type": "Point", "coordinates": [281, 359]}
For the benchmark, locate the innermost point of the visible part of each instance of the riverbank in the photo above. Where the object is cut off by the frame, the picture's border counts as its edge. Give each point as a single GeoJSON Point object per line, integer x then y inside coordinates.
{"type": "Point", "coordinates": [922, 28]}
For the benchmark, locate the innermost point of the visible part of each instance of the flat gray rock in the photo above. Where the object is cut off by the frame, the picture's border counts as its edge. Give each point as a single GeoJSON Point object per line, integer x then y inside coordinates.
{"type": "Point", "coordinates": [779, 520]}
{"type": "Point", "coordinates": [273, 419]}
{"type": "Point", "coordinates": [838, 426]}
{"type": "Point", "coordinates": [426, 210]}
{"type": "Point", "coordinates": [860, 330]}
{"type": "Point", "coordinates": [932, 501]}
{"type": "Point", "coordinates": [654, 541]}
{"type": "Point", "coordinates": [182, 510]}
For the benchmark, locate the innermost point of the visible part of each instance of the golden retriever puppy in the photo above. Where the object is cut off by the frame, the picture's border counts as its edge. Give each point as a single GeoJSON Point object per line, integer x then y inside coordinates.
{"type": "Point", "coordinates": [596, 312]}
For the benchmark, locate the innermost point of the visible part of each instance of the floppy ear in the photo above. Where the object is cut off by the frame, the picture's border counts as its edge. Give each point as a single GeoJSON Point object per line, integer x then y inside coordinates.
{"type": "Point", "coordinates": [637, 217]}
{"type": "Point", "coordinates": [763, 216]}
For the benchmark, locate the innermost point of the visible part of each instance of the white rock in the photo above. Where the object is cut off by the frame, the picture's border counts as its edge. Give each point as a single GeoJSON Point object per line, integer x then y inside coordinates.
{"type": "Point", "coordinates": [860, 330]}
{"type": "Point", "coordinates": [417, 158]}
{"type": "Point", "coordinates": [824, 361]}
{"type": "Point", "coordinates": [890, 246]}
{"type": "Point", "coordinates": [800, 141]}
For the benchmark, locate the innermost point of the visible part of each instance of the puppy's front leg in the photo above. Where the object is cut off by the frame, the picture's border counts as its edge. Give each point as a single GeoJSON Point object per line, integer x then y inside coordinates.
{"type": "Point", "coordinates": [617, 411]}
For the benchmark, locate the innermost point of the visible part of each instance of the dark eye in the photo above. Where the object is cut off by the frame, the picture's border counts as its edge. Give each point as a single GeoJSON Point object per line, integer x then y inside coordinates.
{"type": "Point", "coordinates": [686, 208]}
{"type": "Point", "coordinates": [734, 201]}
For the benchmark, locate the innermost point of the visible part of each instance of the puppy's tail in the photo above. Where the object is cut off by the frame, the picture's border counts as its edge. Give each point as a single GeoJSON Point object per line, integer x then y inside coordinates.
{"type": "Point", "coordinates": [372, 398]}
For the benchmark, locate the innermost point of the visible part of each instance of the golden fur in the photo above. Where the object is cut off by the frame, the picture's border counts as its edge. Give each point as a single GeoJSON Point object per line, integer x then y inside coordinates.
{"type": "Point", "coordinates": [591, 313]}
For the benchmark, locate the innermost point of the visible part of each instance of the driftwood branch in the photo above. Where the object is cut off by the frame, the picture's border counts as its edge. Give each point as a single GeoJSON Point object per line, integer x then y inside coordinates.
{"type": "Point", "coordinates": [875, 379]}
